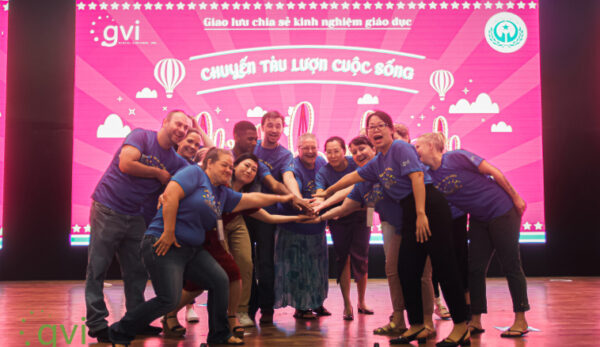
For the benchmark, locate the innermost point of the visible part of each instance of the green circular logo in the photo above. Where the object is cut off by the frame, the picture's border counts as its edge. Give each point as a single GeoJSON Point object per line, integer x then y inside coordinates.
{"type": "Point", "coordinates": [505, 32]}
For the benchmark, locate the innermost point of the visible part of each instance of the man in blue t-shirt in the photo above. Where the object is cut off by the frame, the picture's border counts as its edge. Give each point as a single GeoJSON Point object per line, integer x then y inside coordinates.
{"type": "Point", "coordinates": [278, 163]}
{"type": "Point", "coordinates": [142, 165]}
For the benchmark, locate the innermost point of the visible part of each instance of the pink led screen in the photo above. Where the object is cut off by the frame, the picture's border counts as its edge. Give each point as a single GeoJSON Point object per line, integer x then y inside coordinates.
{"type": "Point", "coordinates": [469, 69]}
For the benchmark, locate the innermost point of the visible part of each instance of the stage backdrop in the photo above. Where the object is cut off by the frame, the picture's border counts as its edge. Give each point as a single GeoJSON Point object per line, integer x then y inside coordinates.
{"type": "Point", "coordinates": [469, 69]}
{"type": "Point", "coordinates": [3, 54]}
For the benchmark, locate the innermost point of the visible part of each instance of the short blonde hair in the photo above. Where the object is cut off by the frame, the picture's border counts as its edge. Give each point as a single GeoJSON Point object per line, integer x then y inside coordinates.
{"type": "Point", "coordinates": [438, 140]}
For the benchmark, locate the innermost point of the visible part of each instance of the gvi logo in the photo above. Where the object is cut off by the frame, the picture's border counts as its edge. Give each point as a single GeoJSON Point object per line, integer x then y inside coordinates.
{"type": "Point", "coordinates": [113, 34]}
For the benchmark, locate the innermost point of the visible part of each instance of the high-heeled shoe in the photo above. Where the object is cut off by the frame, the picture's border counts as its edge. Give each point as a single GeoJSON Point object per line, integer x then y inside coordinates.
{"type": "Point", "coordinates": [349, 316]}
{"type": "Point", "coordinates": [405, 340]}
{"type": "Point", "coordinates": [175, 331]}
{"type": "Point", "coordinates": [465, 340]}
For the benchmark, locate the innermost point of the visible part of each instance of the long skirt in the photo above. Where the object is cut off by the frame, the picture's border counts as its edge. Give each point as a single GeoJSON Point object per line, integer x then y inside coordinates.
{"type": "Point", "coordinates": [301, 270]}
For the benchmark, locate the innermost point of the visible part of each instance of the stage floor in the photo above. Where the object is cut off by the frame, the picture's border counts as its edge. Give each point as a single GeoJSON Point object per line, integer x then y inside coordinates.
{"type": "Point", "coordinates": [565, 310]}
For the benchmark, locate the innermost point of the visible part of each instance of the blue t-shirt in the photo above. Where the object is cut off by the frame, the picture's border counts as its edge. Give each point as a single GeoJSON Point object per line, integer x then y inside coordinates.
{"type": "Point", "coordinates": [327, 176]}
{"type": "Point", "coordinates": [277, 160]}
{"type": "Point", "coordinates": [306, 182]}
{"type": "Point", "coordinates": [459, 179]}
{"type": "Point", "coordinates": [198, 211]}
{"type": "Point", "coordinates": [126, 193]}
{"type": "Point", "coordinates": [372, 193]}
{"type": "Point", "coordinates": [392, 169]}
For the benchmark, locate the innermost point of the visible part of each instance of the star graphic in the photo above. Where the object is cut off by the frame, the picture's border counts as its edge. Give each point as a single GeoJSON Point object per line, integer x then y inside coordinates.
{"type": "Point", "coordinates": [465, 5]}
{"type": "Point", "coordinates": [444, 5]}
{"type": "Point", "coordinates": [125, 5]}
{"type": "Point", "coordinates": [180, 6]}
{"type": "Point", "coordinates": [158, 6]}
{"type": "Point", "coordinates": [225, 5]}
{"type": "Point", "coordinates": [218, 110]}
{"type": "Point", "coordinates": [290, 5]}
{"type": "Point", "coordinates": [169, 6]}
{"type": "Point", "coordinates": [378, 5]}
{"type": "Point", "coordinates": [356, 5]}
{"type": "Point", "coordinates": [279, 6]}
{"type": "Point", "coordinates": [510, 5]}
{"type": "Point", "coordinates": [236, 5]}
{"type": "Point", "coordinates": [488, 5]}
{"type": "Point", "coordinates": [268, 6]}
{"type": "Point", "coordinates": [527, 226]}
{"type": "Point", "coordinates": [87, 228]}
{"type": "Point", "coordinates": [120, 98]}
{"type": "Point", "coordinates": [482, 120]}
{"type": "Point", "coordinates": [114, 6]}
{"type": "Point", "coordinates": [324, 5]}
{"type": "Point", "coordinates": [477, 5]}
{"type": "Point", "coordinates": [257, 5]}
{"type": "Point", "coordinates": [148, 6]}
{"type": "Point", "coordinates": [422, 116]}
{"type": "Point", "coordinates": [412, 5]}
{"type": "Point", "coordinates": [465, 90]}
{"type": "Point", "coordinates": [422, 5]}
{"type": "Point", "coordinates": [455, 5]}
{"type": "Point", "coordinates": [214, 6]}
{"type": "Point", "coordinates": [137, 6]}
{"type": "Point", "coordinates": [246, 5]}
{"type": "Point", "coordinates": [432, 107]}
{"type": "Point", "coordinates": [412, 116]}
{"type": "Point", "coordinates": [367, 5]}
{"type": "Point", "coordinates": [301, 5]}
{"type": "Point", "coordinates": [131, 112]}
{"type": "Point", "coordinates": [104, 6]}
{"type": "Point", "coordinates": [389, 5]}
{"type": "Point", "coordinates": [76, 228]}
{"type": "Point", "coordinates": [432, 5]}
{"type": "Point", "coordinates": [538, 226]}
{"type": "Point", "coordinates": [164, 108]}
{"type": "Point", "coordinates": [400, 5]}
{"type": "Point", "coordinates": [418, 124]}
{"type": "Point", "coordinates": [345, 5]}
{"type": "Point", "coordinates": [202, 6]}
{"type": "Point", "coordinates": [313, 5]}
{"type": "Point", "coordinates": [334, 5]}
{"type": "Point", "coordinates": [499, 5]}
{"type": "Point", "coordinates": [91, 6]}
{"type": "Point", "coordinates": [227, 120]}
{"type": "Point", "coordinates": [532, 5]}
{"type": "Point", "coordinates": [80, 6]}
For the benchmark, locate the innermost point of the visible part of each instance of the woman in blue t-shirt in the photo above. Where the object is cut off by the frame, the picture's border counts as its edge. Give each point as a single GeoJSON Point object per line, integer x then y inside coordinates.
{"type": "Point", "coordinates": [476, 187]}
{"type": "Point", "coordinates": [350, 234]}
{"type": "Point", "coordinates": [425, 228]}
{"type": "Point", "coordinates": [193, 203]}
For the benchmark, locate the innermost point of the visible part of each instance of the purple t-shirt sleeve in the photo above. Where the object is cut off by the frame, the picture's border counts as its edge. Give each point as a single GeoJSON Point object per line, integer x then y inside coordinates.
{"type": "Point", "coordinates": [320, 181]}
{"type": "Point", "coordinates": [369, 171]}
{"type": "Point", "coordinates": [188, 178]}
{"type": "Point", "coordinates": [407, 159]}
{"type": "Point", "coordinates": [288, 164]}
{"type": "Point", "coordinates": [356, 194]}
{"type": "Point", "coordinates": [466, 160]}
{"type": "Point", "coordinates": [232, 199]}
{"type": "Point", "coordinates": [263, 171]}
{"type": "Point", "coordinates": [137, 138]}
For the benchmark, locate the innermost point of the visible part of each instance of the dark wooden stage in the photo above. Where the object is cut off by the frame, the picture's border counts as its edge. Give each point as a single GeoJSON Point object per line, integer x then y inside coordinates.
{"type": "Point", "coordinates": [565, 310]}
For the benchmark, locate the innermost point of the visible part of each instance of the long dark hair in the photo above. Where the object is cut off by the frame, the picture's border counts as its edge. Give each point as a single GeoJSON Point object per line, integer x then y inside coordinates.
{"type": "Point", "coordinates": [237, 161]}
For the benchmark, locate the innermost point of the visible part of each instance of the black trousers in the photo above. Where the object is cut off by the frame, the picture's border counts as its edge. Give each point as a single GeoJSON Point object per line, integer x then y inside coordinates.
{"type": "Point", "coordinates": [459, 240]}
{"type": "Point", "coordinates": [412, 256]}
{"type": "Point", "coordinates": [262, 235]}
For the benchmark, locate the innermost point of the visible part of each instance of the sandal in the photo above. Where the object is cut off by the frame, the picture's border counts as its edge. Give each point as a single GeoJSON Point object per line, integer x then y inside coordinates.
{"type": "Point", "coordinates": [304, 314]}
{"type": "Point", "coordinates": [237, 330]}
{"type": "Point", "coordinates": [510, 333]}
{"type": "Point", "coordinates": [476, 331]}
{"type": "Point", "coordinates": [232, 341]}
{"type": "Point", "coordinates": [389, 329]}
{"type": "Point", "coordinates": [175, 331]}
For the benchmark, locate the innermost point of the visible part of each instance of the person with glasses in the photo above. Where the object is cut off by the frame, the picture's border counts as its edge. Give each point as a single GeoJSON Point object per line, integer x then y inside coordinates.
{"type": "Point", "coordinates": [426, 228]}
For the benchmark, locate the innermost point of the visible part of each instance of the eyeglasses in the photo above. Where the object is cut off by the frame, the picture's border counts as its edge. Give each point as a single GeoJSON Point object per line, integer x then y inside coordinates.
{"type": "Point", "coordinates": [377, 127]}
{"type": "Point", "coordinates": [306, 149]}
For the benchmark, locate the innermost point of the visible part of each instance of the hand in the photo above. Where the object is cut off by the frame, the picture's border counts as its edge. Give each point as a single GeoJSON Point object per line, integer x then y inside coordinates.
{"type": "Point", "coordinates": [323, 194]}
{"type": "Point", "coordinates": [161, 201]}
{"type": "Point", "coordinates": [520, 205]}
{"type": "Point", "coordinates": [201, 153]}
{"type": "Point", "coordinates": [302, 204]}
{"type": "Point", "coordinates": [163, 176]}
{"type": "Point", "coordinates": [318, 205]}
{"type": "Point", "coordinates": [423, 232]}
{"type": "Point", "coordinates": [311, 220]}
{"type": "Point", "coordinates": [164, 243]}
{"type": "Point", "coordinates": [303, 217]}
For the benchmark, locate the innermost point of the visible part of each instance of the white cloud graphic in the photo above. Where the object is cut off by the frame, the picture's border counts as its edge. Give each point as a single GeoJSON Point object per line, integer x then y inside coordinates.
{"type": "Point", "coordinates": [501, 127]}
{"type": "Point", "coordinates": [368, 99]}
{"type": "Point", "coordinates": [146, 93]}
{"type": "Point", "coordinates": [112, 128]}
{"type": "Point", "coordinates": [256, 112]}
{"type": "Point", "coordinates": [483, 104]}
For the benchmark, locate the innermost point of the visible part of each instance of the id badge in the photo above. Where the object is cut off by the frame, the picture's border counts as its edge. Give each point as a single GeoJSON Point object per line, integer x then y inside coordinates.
{"type": "Point", "coordinates": [370, 211]}
{"type": "Point", "coordinates": [220, 229]}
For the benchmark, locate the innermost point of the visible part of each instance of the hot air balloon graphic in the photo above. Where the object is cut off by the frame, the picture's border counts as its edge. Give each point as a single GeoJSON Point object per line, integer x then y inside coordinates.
{"type": "Point", "coordinates": [169, 72]}
{"type": "Point", "coordinates": [441, 81]}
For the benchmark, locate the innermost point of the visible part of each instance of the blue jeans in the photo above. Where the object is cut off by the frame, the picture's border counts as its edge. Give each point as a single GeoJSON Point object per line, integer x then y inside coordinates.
{"type": "Point", "coordinates": [113, 234]}
{"type": "Point", "coordinates": [501, 236]}
{"type": "Point", "coordinates": [167, 274]}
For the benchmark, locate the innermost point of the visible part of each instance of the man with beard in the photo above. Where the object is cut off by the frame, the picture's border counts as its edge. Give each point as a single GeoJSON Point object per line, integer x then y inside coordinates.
{"type": "Point", "coordinates": [142, 165]}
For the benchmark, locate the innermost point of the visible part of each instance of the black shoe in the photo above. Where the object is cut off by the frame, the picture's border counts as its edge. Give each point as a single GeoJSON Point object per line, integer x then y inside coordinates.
{"type": "Point", "coordinates": [322, 311]}
{"type": "Point", "coordinates": [149, 330]}
{"type": "Point", "coordinates": [100, 335]}
{"type": "Point", "coordinates": [465, 340]}
{"type": "Point", "coordinates": [405, 340]}
{"type": "Point", "coordinates": [266, 318]}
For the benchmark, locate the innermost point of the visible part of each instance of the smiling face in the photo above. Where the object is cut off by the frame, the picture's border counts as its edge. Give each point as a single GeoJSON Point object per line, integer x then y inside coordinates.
{"type": "Point", "coordinates": [425, 151]}
{"type": "Point", "coordinates": [246, 141]}
{"type": "Point", "coordinates": [379, 133]}
{"type": "Point", "coordinates": [272, 128]}
{"type": "Point", "coordinates": [334, 153]}
{"type": "Point", "coordinates": [220, 170]}
{"type": "Point", "coordinates": [189, 146]}
{"type": "Point", "coordinates": [177, 126]}
{"type": "Point", "coordinates": [307, 152]}
{"type": "Point", "coordinates": [245, 171]}
{"type": "Point", "coordinates": [362, 153]}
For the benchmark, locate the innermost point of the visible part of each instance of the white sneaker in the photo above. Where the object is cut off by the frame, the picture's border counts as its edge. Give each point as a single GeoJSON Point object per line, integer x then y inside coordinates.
{"type": "Point", "coordinates": [245, 320]}
{"type": "Point", "coordinates": [191, 316]}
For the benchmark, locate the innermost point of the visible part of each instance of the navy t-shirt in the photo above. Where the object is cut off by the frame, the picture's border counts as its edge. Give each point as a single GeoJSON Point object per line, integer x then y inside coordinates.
{"type": "Point", "coordinates": [306, 182]}
{"type": "Point", "coordinates": [372, 193]}
{"type": "Point", "coordinates": [393, 168]}
{"type": "Point", "coordinates": [126, 193]}
{"type": "Point", "coordinates": [198, 211]}
{"type": "Point", "coordinates": [277, 161]}
{"type": "Point", "coordinates": [459, 179]}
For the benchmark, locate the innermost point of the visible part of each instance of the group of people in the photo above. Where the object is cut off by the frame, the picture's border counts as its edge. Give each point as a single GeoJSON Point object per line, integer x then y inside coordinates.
{"type": "Point", "coordinates": [248, 225]}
